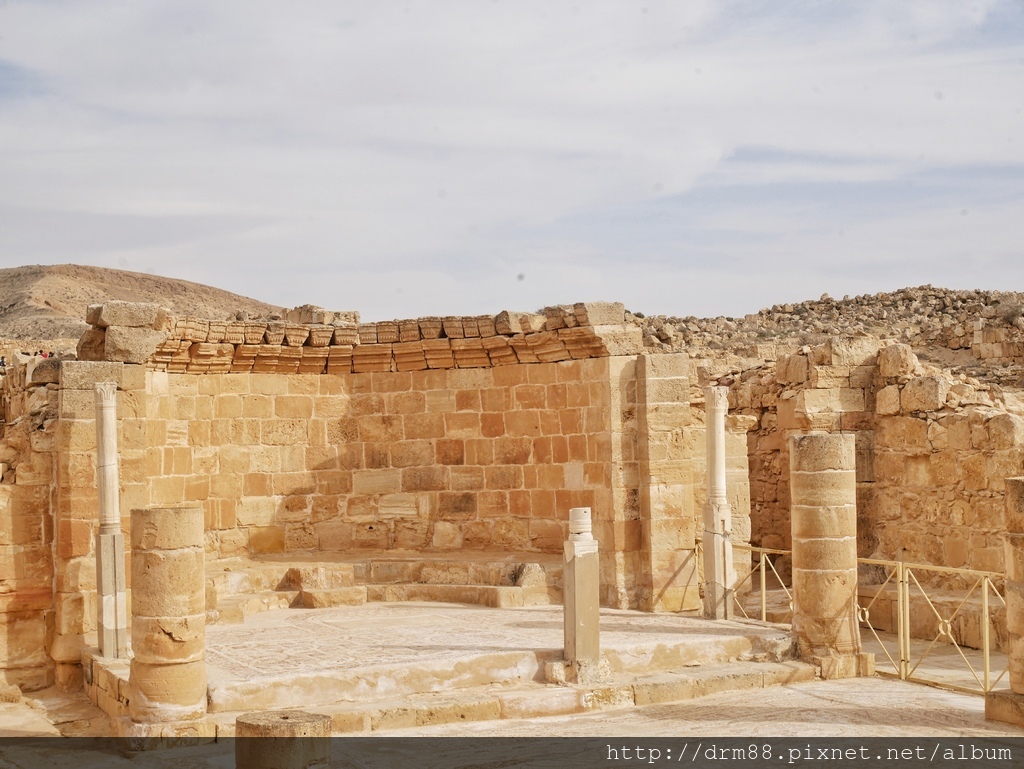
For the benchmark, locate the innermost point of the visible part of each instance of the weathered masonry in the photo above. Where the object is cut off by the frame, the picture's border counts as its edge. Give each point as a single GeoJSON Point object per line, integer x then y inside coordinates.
{"type": "Point", "coordinates": [320, 435]}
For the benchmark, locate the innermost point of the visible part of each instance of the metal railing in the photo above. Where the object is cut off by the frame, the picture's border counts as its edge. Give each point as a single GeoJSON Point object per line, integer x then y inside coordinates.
{"type": "Point", "coordinates": [942, 619]}
{"type": "Point", "coordinates": [761, 568]}
{"type": "Point", "coordinates": [936, 624]}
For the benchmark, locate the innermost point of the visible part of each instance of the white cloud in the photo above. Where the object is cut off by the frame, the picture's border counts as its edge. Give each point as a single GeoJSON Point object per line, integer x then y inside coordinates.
{"type": "Point", "coordinates": [338, 152]}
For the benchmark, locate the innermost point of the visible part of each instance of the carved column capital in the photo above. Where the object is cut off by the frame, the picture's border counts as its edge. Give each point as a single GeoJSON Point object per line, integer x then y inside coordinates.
{"type": "Point", "coordinates": [106, 394]}
{"type": "Point", "coordinates": [717, 397]}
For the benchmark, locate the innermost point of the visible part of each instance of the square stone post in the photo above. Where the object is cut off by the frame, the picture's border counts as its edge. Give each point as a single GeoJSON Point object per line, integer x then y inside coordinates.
{"type": "Point", "coordinates": [582, 583]}
{"type": "Point", "coordinates": [167, 681]}
{"type": "Point", "coordinates": [824, 530]}
{"type": "Point", "coordinates": [110, 578]}
{"type": "Point", "coordinates": [719, 575]}
{"type": "Point", "coordinates": [1002, 705]}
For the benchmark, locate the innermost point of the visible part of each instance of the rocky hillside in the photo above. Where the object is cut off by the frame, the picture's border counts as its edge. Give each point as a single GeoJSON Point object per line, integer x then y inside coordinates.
{"type": "Point", "coordinates": [941, 324]}
{"type": "Point", "coordinates": [46, 302]}
{"type": "Point", "coordinates": [977, 333]}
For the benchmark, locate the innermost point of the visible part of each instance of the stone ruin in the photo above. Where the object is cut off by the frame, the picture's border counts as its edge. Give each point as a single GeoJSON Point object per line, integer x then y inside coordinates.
{"type": "Point", "coordinates": [316, 438]}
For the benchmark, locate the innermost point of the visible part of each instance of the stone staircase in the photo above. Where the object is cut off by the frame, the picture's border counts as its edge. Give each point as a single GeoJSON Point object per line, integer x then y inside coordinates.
{"type": "Point", "coordinates": [447, 664]}
{"type": "Point", "coordinates": [390, 642]}
{"type": "Point", "coordinates": [237, 589]}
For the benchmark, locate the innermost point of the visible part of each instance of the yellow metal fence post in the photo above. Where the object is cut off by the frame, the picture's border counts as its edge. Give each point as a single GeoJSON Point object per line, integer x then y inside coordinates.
{"type": "Point", "coordinates": [985, 636]}
{"type": "Point", "coordinates": [764, 588]}
{"type": "Point", "coordinates": [903, 618]}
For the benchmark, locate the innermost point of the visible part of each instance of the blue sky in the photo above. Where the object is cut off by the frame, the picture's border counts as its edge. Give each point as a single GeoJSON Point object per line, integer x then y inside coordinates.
{"type": "Point", "coordinates": [425, 157]}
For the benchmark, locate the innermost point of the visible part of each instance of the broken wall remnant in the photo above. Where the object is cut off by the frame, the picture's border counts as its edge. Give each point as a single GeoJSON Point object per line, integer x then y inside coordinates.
{"type": "Point", "coordinates": [1002, 705]}
{"type": "Point", "coordinates": [932, 449]}
{"type": "Point", "coordinates": [167, 682]}
{"type": "Point", "coordinates": [824, 537]}
{"type": "Point", "coordinates": [481, 447]}
{"type": "Point", "coordinates": [319, 434]}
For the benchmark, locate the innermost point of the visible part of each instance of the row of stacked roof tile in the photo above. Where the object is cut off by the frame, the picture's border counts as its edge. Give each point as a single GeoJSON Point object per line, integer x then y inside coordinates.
{"type": "Point", "coordinates": [164, 343]}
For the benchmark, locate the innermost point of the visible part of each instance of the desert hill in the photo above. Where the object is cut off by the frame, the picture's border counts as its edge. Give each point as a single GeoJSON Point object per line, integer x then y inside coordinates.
{"type": "Point", "coordinates": [942, 325]}
{"type": "Point", "coordinates": [48, 301]}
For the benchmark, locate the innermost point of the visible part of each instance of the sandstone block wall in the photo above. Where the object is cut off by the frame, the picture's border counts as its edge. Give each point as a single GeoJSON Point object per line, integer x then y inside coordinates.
{"type": "Point", "coordinates": [317, 343]}
{"type": "Point", "coordinates": [432, 460]}
{"type": "Point", "coordinates": [932, 449]}
{"type": "Point", "coordinates": [26, 527]}
{"type": "Point", "coordinates": [464, 452]}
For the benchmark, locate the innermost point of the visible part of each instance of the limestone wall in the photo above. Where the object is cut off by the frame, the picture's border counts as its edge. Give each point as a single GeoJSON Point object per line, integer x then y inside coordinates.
{"type": "Point", "coordinates": [488, 459]}
{"type": "Point", "coordinates": [484, 450]}
{"type": "Point", "coordinates": [932, 449]}
{"type": "Point", "coordinates": [26, 527]}
{"type": "Point", "coordinates": [318, 342]}
{"type": "Point", "coordinates": [75, 496]}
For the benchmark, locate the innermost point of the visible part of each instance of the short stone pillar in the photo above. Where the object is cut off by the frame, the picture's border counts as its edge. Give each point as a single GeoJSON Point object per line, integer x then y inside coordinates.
{"type": "Point", "coordinates": [282, 739]}
{"type": "Point", "coordinates": [824, 528]}
{"type": "Point", "coordinates": [581, 577]}
{"type": "Point", "coordinates": [112, 609]}
{"type": "Point", "coordinates": [719, 575]}
{"type": "Point", "coordinates": [1008, 706]}
{"type": "Point", "coordinates": [167, 681]}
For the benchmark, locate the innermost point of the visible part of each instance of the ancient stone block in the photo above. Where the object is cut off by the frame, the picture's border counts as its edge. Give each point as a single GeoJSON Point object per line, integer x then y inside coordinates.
{"type": "Point", "coordinates": [371, 357]}
{"type": "Point", "coordinates": [620, 340]}
{"type": "Point", "coordinates": [599, 313]}
{"type": "Point", "coordinates": [387, 332]}
{"type": "Point", "coordinates": [91, 345]}
{"type": "Point", "coordinates": [897, 360]}
{"type": "Point", "coordinates": [274, 334]}
{"type": "Point", "coordinates": [852, 351]}
{"type": "Point", "coordinates": [927, 393]}
{"type": "Point", "coordinates": [130, 314]}
{"type": "Point", "coordinates": [131, 345]}
{"type": "Point", "coordinates": [83, 375]}
{"type": "Point", "coordinates": [887, 401]}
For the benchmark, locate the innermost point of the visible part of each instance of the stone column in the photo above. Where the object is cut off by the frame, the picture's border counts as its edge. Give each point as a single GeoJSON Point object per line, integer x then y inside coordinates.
{"type": "Point", "coordinates": [719, 575]}
{"type": "Point", "coordinates": [167, 682]}
{"type": "Point", "coordinates": [824, 530]}
{"type": "Point", "coordinates": [1002, 705]}
{"type": "Point", "coordinates": [282, 739]}
{"type": "Point", "coordinates": [581, 578]}
{"type": "Point", "coordinates": [110, 583]}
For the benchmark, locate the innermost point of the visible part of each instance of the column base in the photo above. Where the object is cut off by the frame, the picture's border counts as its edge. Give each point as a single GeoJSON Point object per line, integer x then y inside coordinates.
{"type": "Point", "coordinates": [1005, 706]}
{"type": "Point", "coordinates": [845, 666]}
{"type": "Point", "coordinates": [161, 736]}
{"type": "Point", "coordinates": [583, 672]}
{"type": "Point", "coordinates": [718, 602]}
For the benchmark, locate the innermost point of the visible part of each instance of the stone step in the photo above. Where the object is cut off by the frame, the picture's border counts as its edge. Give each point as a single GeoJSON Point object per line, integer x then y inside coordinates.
{"type": "Point", "coordinates": [712, 679]}
{"type": "Point", "coordinates": [237, 590]}
{"type": "Point", "coordinates": [694, 651]}
{"type": "Point", "coordinates": [533, 700]}
{"type": "Point", "coordinates": [335, 681]}
{"type": "Point", "coordinates": [327, 686]}
{"type": "Point", "coordinates": [337, 596]}
{"type": "Point", "coordinates": [495, 596]}
{"type": "Point", "coordinates": [232, 610]}
{"type": "Point", "coordinates": [230, 578]}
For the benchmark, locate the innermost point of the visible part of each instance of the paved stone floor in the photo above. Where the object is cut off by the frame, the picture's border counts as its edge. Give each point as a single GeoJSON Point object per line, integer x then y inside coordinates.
{"type": "Point", "coordinates": [863, 707]}
{"type": "Point", "coordinates": [873, 707]}
{"type": "Point", "coordinates": [277, 643]}
{"type": "Point", "coordinates": [294, 641]}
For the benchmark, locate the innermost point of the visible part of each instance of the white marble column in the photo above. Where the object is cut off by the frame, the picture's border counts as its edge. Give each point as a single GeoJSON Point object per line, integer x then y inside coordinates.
{"type": "Point", "coordinates": [719, 574]}
{"type": "Point", "coordinates": [110, 581]}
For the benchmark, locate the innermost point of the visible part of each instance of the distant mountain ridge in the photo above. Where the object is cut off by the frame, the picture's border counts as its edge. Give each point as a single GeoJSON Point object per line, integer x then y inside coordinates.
{"type": "Point", "coordinates": [49, 301]}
